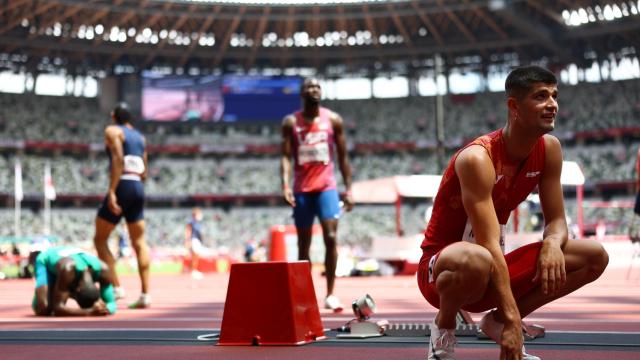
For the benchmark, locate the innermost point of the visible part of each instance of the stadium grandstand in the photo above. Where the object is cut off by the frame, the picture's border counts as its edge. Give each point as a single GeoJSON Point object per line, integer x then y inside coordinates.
{"type": "Point", "coordinates": [413, 80]}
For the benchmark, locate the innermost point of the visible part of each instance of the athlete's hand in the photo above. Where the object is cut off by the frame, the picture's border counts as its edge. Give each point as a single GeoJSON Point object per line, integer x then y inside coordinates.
{"type": "Point", "coordinates": [511, 342]}
{"type": "Point", "coordinates": [348, 201]}
{"type": "Point", "coordinates": [99, 309]}
{"type": "Point", "coordinates": [288, 197]}
{"type": "Point", "coordinates": [551, 270]}
{"type": "Point", "coordinates": [112, 203]}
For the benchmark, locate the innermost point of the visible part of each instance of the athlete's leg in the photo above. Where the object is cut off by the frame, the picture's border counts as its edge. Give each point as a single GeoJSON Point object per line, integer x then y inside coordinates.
{"type": "Point", "coordinates": [329, 233]}
{"type": "Point", "coordinates": [303, 214]}
{"type": "Point", "coordinates": [585, 261]}
{"type": "Point", "coordinates": [195, 260]}
{"type": "Point", "coordinates": [196, 251]}
{"type": "Point", "coordinates": [304, 242]}
{"type": "Point", "coordinates": [328, 209]}
{"type": "Point", "coordinates": [462, 273]}
{"type": "Point", "coordinates": [100, 241]}
{"type": "Point", "coordinates": [136, 233]}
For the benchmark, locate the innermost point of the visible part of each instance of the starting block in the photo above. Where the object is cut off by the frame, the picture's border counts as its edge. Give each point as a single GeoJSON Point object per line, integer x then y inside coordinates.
{"type": "Point", "coordinates": [465, 326]}
{"type": "Point", "coordinates": [422, 329]}
{"type": "Point", "coordinates": [271, 303]}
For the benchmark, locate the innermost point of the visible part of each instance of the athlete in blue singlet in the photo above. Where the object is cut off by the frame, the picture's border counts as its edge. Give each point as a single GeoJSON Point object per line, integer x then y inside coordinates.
{"type": "Point", "coordinates": [193, 241]}
{"type": "Point", "coordinates": [125, 197]}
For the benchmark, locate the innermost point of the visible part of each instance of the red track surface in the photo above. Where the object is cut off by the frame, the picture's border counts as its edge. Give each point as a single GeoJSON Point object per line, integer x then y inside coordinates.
{"type": "Point", "coordinates": [611, 304]}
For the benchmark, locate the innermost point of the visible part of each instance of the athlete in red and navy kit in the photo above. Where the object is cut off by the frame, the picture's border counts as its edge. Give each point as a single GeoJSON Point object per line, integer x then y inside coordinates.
{"type": "Point", "coordinates": [310, 137]}
{"type": "Point", "coordinates": [463, 265]}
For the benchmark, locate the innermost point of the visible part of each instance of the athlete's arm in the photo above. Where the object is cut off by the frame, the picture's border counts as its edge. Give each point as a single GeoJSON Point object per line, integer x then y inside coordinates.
{"type": "Point", "coordinates": [477, 177]}
{"type": "Point", "coordinates": [551, 270]}
{"type": "Point", "coordinates": [113, 140]}
{"type": "Point", "coordinates": [285, 159]}
{"type": "Point", "coordinates": [106, 289]}
{"type": "Point", "coordinates": [61, 293]}
{"type": "Point", "coordinates": [343, 159]}
{"type": "Point", "coordinates": [42, 306]}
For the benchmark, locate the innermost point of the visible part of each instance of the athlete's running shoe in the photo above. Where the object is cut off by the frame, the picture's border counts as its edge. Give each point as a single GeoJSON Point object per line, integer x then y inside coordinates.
{"type": "Point", "coordinates": [143, 302]}
{"type": "Point", "coordinates": [119, 293]}
{"type": "Point", "coordinates": [332, 302]}
{"type": "Point", "coordinates": [493, 329]}
{"type": "Point", "coordinates": [442, 343]}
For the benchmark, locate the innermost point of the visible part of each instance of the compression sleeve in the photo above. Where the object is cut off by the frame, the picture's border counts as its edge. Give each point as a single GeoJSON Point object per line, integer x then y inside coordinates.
{"type": "Point", "coordinates": [40, 269]}
{"type": "Point", "coordinates": [107, 295]}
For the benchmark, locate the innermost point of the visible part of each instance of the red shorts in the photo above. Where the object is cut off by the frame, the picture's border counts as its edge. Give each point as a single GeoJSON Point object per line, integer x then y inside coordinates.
{"type": "Point", "coordinates": [522, 264]}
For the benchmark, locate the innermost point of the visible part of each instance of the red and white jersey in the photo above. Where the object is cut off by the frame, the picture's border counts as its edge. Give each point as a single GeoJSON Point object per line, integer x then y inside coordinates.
{"type": "Point", "coordinates": [449, 222]}
{"type": "Point", "coordinates": [313, 148]}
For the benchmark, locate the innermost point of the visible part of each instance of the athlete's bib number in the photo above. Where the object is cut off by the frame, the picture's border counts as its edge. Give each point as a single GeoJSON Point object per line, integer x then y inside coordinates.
{"type": "Point", "coordinates": [313, 153]}
{"type": "Point", "coordinates": [133, 164]}
{"type": "Point", "coordinates": [469, 236]}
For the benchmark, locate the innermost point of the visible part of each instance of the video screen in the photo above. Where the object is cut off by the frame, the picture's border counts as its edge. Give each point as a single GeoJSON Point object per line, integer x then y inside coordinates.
{"type": "Point", "coordinates": [181, 98]}
{"type": "Point", "coordinates": [260, 98]}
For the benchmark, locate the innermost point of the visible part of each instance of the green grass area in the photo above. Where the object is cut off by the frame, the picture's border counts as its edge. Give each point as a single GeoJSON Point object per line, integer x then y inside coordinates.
{"type": "Point", "coordinates": [11, 271]}
{"type": "Point", "coordinates": [157, 267]}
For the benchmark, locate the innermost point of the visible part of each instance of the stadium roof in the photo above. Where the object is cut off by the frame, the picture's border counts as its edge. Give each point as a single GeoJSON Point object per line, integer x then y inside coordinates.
{"type": "Point", "coordinates": [334, 37]}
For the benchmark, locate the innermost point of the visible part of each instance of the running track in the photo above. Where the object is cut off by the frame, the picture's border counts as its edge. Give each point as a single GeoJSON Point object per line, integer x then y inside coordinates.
{"type": "Point", "coordinates": [601, 320]}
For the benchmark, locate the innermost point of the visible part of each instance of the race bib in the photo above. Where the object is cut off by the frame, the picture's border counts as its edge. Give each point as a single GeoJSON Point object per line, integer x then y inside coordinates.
{"type": "Point", "coordinates": [313, 153]}
{"type": "Point", "coordinates": [469, 236]}
{"type": "Point", "coordinates": [133, 164]}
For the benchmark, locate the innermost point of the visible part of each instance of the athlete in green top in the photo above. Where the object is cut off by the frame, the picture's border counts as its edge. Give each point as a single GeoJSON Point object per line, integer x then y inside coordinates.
{"type": "Point", "coordinates": [62, 273]}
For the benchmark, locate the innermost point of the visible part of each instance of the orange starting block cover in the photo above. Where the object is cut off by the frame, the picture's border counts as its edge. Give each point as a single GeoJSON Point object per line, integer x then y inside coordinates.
{"type": "Point", "coordinates": [271, 303]}
{"type": "Point", "coordinates": [283, 245]}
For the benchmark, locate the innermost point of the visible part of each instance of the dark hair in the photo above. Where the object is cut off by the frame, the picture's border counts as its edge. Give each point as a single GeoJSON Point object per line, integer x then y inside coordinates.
{"type": "Point", "coordinates": [87, 294]}
{"type": "Point", "coordinates": [121, 113]}
{"type": "Point", "coordinates": [521, 79]}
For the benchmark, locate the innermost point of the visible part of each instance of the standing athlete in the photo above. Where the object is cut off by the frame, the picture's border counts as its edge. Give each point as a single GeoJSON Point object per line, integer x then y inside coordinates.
{"type": "Point", "coordinates": [310, 136]}
{"type": "Point", "coordinates": [463, 265]}
{"type": "Point", "coordinates": [62, 273]}
{"type": "Point", "coordinates": [125, 197]}
{"type": "Point", "coordinates": [193, 241]}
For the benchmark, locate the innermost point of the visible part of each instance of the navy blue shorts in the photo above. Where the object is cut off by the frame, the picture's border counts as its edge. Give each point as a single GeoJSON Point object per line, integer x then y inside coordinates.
{"type": "Point", "coordinates": [130, 195]}
{"type": "Point", "coordinates": [636, 209]}
{"type": "Point", "coordinates": [325, 204]}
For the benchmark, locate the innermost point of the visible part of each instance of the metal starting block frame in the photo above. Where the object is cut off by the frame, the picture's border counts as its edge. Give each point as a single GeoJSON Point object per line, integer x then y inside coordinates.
{"type": "Point", "coordinates": [422, 329]}
{"type": "Point", "coordinates": [530, 332]}
{"type": "Point", "coordinates": [465, 326]}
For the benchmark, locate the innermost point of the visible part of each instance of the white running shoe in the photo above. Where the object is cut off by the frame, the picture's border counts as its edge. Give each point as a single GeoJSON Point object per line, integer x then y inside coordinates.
{"type": "Point", "coordinates": [119, 293]}
{"type": "Point", "coordinates": [493, 329]}
{"type": "Point", "coordinates": [196, 275]}
{"type": "Point", "coordinates": [332, 302]}
{"type": "Point", "coordinates": [442, 343]}
{"type": "Point", "coordinates": [143, 302]}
